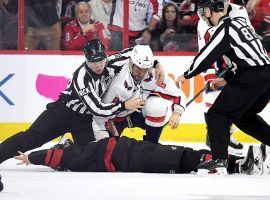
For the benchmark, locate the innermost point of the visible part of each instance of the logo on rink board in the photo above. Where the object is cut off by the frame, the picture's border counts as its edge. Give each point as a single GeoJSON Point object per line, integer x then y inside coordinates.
{"type": "Point", "coordinates": [2, 82]}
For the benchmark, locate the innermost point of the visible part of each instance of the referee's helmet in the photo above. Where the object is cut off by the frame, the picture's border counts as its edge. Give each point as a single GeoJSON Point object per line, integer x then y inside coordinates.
{"type": "Point", "coordinates": [213, 5]}
{"type": "Point", "coordinates": [94, 51]}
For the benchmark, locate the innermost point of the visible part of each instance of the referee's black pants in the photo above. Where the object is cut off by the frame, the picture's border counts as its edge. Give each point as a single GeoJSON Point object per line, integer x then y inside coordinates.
{"type": "Point", "coordinates": [55, 121]}
{"type": "Point", "coordinates": [240, 102]}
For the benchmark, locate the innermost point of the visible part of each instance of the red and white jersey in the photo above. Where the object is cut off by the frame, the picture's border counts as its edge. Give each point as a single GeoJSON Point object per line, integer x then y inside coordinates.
{"type": "Point", "coordinates": [138, 11]}
{"type": "Point", "coordinates": [74, 38]}
{"type": "Point", "coordinates": [123, 87]}
{"type": "Point", "coordinates": [260, 14]}
{"type": "Point", "coordinates": [204, 31]}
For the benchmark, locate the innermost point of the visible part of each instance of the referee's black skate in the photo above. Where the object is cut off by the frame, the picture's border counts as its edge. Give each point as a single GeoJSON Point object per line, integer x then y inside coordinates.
{"type": "Point", "coordinates": [253, 162]}
{"type": "Point", "coordinates": [213, 167]}
{"type": "Point", "coordinates": [234, 148]}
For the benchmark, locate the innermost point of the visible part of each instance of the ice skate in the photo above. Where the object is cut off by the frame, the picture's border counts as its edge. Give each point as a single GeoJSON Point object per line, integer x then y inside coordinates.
{"type": "Point", "coordinates": [234, 148]}
{"type": "Point", "coordinates": [63, 143]}
{"type": "Point", "coordinates": [253, 162]}
{"type": "Point", "coordinates": [213, 167]}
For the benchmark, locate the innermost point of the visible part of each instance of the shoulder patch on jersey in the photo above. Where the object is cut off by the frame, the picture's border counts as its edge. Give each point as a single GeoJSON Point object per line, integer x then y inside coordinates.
{"type": "Point", "coordinates": [84, 91]}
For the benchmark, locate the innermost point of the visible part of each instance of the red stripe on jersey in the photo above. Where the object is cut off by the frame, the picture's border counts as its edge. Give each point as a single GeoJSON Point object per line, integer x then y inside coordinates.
{"type": "Point", "coordinates": [108, 155]}
{"type": "Point", "coordinates": [155, 6]}
{"type": "Point", "coordinates": [119, 119]}
{"type": "Point", "coordinates": [177, 100]}
{"type": "Point", "coordinates": [155, 119]}
{"type": "Point", "coordinates": [164, 96]}
{"type": "Point", "coordinates": [57, 156]}
{"type": "Point", "coordinates": [48, 157]}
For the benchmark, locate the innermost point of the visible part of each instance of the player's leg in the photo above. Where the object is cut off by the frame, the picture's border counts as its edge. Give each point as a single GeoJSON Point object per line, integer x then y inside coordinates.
{"type": "Point", "coordinates": [155, 112]}
{"type": "Point", "coordinates": [130, 155]}
{"type": "Point", "coordinates": [52, 123]}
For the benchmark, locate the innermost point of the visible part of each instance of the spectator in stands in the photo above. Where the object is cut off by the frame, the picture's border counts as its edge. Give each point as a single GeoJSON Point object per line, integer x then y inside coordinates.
{"type": "Point", "coordinates": [68, 11]}
{"type": "Point", "coordinates": [188, 16]}
{"type": "Point", "coordinates": [3, 3]}
{"type": "Point", "coordinates": [166, 29]}
{"type": "Point", "coordinates": [43, 26]}
{"type": "Point", "coordinates": [101, 10]}
{"type": "Point", "coordinates": [259, 14]}
{"type": "Point", "coordinates": [138, 29]}
{"type": "Point", "coordinates": [9, 25]}
{"type": "Point", "coordinates": [82, 29]}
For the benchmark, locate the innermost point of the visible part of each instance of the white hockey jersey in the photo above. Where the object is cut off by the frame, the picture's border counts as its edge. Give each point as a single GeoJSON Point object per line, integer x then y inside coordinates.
{"type": "Point", "coordinates": [123, 87]}
{"type": "Point", "coordinates": [138, 12]}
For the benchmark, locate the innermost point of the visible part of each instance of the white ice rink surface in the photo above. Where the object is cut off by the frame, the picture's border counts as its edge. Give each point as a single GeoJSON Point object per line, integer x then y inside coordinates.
{"type": "Point", "coordinates": [41, 183]}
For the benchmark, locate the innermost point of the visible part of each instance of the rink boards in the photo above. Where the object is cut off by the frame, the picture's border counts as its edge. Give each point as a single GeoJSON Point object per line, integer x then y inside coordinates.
{"type": "Point", "coordinates": [29, 82]}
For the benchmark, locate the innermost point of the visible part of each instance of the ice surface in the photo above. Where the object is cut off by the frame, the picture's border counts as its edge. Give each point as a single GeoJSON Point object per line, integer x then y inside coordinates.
{"type": "Point", "coordinates": [41, 183]}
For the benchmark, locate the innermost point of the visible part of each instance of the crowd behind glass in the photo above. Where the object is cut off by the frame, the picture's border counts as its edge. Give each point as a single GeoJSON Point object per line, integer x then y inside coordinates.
{"type": "Point", "coordinates": [168, 26]}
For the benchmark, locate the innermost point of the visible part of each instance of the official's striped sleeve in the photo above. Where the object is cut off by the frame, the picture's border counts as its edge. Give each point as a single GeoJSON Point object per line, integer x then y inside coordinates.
{"type": "Point", "coordinates": [91, 100]}
{"type": "Point", "coordinates": [213, 50]}
{"type": "Point", "coordinates": [239, 45]}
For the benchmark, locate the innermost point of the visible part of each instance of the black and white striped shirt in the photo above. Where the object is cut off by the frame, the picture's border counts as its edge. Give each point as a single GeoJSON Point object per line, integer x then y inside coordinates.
{"type": "Point", "coordinates": [236, 42]}
{"type": "Point", "coordinates": [85, 90]}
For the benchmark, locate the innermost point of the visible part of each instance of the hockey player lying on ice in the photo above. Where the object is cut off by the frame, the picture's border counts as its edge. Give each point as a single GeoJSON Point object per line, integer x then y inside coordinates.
{"type": "Point", "coordinates": [164, 102]}
{"type": "Point", "coordinates": [130, 155]}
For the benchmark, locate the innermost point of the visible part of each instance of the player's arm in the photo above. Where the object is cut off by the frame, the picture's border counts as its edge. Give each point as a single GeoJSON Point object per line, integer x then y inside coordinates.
{"type": "Point", "coordinates": [212, 51]}
{"type": "Point", "coordinates": [94, 103]}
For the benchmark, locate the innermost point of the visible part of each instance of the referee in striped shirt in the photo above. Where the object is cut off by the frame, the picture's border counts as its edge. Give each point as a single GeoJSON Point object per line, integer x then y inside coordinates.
{"type": "Point", "coordinates": [246, 82]}
{"type": "Point", "coordinates": [74, 109]}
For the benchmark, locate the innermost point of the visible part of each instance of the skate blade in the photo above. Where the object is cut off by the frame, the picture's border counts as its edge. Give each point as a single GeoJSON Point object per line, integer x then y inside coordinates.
{"type": "Point", "coordinates": [221, 171]}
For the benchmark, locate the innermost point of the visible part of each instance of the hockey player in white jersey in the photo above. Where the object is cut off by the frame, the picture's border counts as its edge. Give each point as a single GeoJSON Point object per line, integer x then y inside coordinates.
{"type": "Point", "coordinates": [204, 34]}
{"type": "Point", "coordinates": [164, 103]}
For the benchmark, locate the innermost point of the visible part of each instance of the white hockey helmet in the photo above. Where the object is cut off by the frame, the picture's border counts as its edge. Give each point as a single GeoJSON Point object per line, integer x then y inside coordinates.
{"type": "Point", "coordinates": [142, 56]}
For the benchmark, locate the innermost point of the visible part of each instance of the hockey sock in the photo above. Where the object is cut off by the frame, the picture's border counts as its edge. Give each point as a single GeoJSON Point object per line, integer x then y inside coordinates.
{"type": "Point", "coordinates": [153, 133]}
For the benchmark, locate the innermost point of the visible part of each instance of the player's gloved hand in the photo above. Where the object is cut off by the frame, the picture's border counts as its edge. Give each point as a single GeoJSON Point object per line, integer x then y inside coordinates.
{"type": "Point", "coordinates": [23, 158]}
{"type": "Point", "coordinates": [174, 120]}
{"type": "Point", "coordinates": [179, 80]}
{"type": "Point", "coordinates": [216, 83]}
{"type": "Point", "coordinates": [160, 74]}
{"type": "Point", "coordinates": [134, 103]}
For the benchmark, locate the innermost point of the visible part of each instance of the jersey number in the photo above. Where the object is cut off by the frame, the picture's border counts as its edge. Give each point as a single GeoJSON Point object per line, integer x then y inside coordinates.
{"type": "Point", "coordinates": [249, 33]}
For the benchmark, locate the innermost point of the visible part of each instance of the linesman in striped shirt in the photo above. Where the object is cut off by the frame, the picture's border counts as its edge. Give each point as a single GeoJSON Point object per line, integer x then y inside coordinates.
{"type": "Point", "coordinates": [246, 82]}
{"type": "Point", "coordinates": [74, 109]}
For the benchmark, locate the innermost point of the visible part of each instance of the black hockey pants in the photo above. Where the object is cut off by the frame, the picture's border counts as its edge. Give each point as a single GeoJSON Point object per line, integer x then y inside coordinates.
{"type": "Point", "coordinates": [240, 102]}
{"type": "Point", "coordinates": [53, 122]}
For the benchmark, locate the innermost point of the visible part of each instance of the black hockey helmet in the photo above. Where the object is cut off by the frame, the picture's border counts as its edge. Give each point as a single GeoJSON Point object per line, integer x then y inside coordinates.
{"type": "Point", "coordinates": [214, 5]}
{"type": "Point", "coordinates": [94, 51]}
